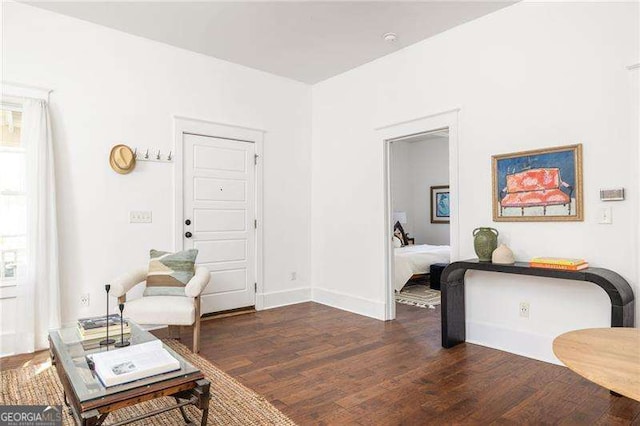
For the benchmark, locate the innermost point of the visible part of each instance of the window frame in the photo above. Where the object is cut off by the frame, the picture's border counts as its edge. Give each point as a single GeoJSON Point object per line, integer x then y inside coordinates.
{"type": "Point", "coordinates": [13, 281]}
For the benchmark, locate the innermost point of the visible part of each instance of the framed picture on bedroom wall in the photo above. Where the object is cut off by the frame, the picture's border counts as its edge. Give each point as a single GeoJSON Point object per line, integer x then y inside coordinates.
{"type": "Point", "coordinates": [440, 204]}
{"type": "Point", "coordinates": [543, 185]}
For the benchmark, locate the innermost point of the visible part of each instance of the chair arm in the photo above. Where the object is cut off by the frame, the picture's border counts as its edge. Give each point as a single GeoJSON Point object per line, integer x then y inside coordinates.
{"type": "Point", "coordinates": [569, 187]}
{"type": "Point", "coordinates": [198, 282]}
{"type": "Point", "coordinates": [122, 284]}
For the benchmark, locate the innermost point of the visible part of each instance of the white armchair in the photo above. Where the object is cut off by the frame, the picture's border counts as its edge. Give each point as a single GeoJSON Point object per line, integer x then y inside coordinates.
{"type": "Point", "coordinates": [170, 310]}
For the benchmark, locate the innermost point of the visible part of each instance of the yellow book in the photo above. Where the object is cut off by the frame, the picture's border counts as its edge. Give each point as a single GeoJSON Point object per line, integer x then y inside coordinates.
{"type": "Point", "coordinates": [559, 267]}
{"type": "Point", "coordinates": [558, 261]}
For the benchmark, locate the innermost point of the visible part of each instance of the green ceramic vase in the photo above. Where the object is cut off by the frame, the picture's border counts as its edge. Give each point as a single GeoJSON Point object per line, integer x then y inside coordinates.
{"type": "Point", "coordinates": [485, 241]}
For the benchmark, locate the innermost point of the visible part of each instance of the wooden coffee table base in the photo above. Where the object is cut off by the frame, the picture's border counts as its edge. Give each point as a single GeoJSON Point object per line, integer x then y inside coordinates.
{"type": "Point", "coordinates": [191, 389]}
{"type": "Point", "coordinates": [198, 396]}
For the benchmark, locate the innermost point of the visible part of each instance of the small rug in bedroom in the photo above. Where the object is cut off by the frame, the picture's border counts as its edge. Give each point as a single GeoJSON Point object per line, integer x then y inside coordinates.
{"type": "Point", "coordinates": [419, 295]}
{"type": "Point", "coordinates": [231, 403]}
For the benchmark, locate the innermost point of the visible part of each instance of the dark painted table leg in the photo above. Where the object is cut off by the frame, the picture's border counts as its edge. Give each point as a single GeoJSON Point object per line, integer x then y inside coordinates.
{"type": "Point", "coordinates": [623, 316]}
{"type": "Point", "coordinates": [453, 312]}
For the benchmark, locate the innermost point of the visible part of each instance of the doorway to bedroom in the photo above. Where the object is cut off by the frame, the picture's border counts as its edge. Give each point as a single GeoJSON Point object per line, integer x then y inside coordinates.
{"type": "Point", "coordinates": [420, 199]}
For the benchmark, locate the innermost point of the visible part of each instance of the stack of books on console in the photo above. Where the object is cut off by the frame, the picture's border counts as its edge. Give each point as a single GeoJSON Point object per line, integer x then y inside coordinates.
{"type": "Point", "coordinates": [135, 362]}
{"type": "Point", "coordinates": [559, 263]}
{"type": "Point", "coordinates": [95, 329]}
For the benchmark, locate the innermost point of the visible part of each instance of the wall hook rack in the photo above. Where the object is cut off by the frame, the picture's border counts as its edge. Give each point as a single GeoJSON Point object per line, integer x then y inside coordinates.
{"type": "Point", "coordinates": [154, 155]}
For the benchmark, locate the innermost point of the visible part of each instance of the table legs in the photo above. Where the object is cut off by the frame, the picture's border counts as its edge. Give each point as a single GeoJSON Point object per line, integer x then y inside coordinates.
{"type": "Point", "coordinates": [202, 392]}
{"type": "Point", "coordinates": [198, 396]}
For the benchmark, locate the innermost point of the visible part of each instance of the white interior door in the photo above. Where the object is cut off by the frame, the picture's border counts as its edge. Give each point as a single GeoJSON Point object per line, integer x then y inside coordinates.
{"type": "Point", "coordinates": [219, 217]}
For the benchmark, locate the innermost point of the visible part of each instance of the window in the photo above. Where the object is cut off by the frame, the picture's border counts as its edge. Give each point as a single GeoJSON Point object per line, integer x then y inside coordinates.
{"type": "Point", "coordinates": [13, 210]}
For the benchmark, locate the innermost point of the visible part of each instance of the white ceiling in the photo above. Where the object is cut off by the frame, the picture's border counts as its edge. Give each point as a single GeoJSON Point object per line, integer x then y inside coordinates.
{"type": "Point", "coordinates": [303, 40]}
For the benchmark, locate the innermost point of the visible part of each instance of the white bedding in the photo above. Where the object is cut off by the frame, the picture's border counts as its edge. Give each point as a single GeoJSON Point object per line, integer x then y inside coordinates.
{"type": "Point", "coordinates": [412, 259]}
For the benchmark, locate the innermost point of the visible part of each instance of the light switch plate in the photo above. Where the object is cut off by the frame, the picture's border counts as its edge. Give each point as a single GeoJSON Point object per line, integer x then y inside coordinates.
{"type": "Point", "coordinates": [605, 216]}
{"type": "Point", "coordinates": [140, 217]}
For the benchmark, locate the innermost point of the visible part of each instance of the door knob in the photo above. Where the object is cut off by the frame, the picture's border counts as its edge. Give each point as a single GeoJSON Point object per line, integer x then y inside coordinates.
{"type": "Point", "coordinates": [188, 234]}
{"type": "Point", "coordinates": [187, 222]}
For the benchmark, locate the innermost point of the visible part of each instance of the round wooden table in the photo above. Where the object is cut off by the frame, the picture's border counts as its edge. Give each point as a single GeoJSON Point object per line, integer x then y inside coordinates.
{"type": "Point", "coordinates": [609, 357]}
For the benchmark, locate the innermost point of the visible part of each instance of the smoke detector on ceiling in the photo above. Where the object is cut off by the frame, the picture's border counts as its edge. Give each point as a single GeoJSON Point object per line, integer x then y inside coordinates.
{"type": "Point", "coordinates": [390, 37]}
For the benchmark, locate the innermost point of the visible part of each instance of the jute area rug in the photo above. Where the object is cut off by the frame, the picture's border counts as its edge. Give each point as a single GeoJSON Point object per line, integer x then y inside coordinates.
{"type": "Point", "coordinates": [231, 403]}
{"type": "Point", "coordinates": [419, 295]}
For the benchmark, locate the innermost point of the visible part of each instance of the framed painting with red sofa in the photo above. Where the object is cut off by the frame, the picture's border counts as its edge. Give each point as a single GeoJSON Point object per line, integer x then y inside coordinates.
{"type": "Point", "coordinates": [537, 186]}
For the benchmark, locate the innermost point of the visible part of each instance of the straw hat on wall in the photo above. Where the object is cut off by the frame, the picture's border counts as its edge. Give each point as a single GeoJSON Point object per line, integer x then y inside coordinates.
{"type": "Point", "coordinates": [122, 159]}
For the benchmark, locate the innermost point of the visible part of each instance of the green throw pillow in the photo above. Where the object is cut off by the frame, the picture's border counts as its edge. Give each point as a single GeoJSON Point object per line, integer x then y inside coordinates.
{"type": "Point", "coordinates": [169, 273]}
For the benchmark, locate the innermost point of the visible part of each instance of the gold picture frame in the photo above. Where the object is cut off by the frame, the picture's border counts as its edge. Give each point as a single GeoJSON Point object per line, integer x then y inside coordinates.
{"type": "Point", "coordinates": [542, 185]}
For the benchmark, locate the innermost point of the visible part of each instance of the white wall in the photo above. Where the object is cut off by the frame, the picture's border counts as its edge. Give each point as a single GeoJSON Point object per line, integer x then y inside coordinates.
{"type": "Point", "coordinates": [401, 183]}
{"type": "Point", "coordinates": [430, 167]}
{"type": "Point", "coordinates": [528, 76]}
{"type": "Point", "coordinates": [111, 87]}
{"type": "Point", "coordinates": [416, 166]}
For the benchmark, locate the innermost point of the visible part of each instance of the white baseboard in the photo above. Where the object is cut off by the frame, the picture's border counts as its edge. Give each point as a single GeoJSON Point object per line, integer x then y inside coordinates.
{"type": "Point", "coordinates": [292, 296]}
{"type": "Point", "coordinates": [347, 302]}
{"type": "Point", "coordinates": [519, 342]}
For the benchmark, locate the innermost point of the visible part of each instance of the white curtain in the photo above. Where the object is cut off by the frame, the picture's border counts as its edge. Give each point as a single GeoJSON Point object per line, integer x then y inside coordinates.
{"type": "Point", "coordinates": [38, 290]}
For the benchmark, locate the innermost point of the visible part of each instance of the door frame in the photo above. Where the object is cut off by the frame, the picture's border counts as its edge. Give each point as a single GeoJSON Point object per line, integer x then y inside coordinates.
{"type": "Point", "coordinates": [184, 125]}
{"type": "Point", "coordinates": [397, 131]}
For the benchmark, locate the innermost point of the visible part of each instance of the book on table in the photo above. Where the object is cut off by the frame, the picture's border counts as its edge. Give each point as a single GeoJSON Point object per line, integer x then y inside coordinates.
{"type": "Point", "coordinates": [96, 327]}
{"type": "Point", "coordinates": [113, 331]}
{"type": "Point", "coordinates": [92, 343]}
{"type": "Point", "coordinates": [557, 261]}
{"type": "Point", "coordinates": [559, 267]}
{"type": "Point", "coordinates": [99, 322]}
{"type": "Point", "coordinates": [135, 362]}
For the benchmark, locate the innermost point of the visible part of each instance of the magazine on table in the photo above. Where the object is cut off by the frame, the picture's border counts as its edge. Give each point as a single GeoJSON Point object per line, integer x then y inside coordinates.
{"type": "Point", "coordinates": [135, 362]}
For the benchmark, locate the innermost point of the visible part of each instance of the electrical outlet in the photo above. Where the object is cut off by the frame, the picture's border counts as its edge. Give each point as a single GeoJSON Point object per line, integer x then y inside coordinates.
{"type": "Point", "coordinates": [294, 276]}
{"type": "Point", "coordinates": [140, 217]}
{"type": "Point", "coordinates": [85, 299]}
{"type": "Point", "coordinates": [524, 309]}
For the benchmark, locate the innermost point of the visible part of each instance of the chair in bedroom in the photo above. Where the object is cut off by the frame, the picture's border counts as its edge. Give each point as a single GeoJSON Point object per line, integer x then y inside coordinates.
{"type": "Point", "coordinates": [174, 311]}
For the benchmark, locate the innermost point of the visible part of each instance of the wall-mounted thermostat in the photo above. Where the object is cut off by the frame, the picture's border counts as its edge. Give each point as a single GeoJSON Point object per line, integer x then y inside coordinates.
{"type": "Point", "coordinates": [616, 194]}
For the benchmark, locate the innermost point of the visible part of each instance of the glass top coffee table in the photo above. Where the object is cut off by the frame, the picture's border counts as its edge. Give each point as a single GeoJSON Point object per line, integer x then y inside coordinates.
{"type": "Point", "coordinates": [91, 402]}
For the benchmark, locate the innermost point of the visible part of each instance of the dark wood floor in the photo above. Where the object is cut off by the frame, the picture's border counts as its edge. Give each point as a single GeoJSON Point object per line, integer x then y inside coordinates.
{"type": "Point", "coordinates": [320, 365]}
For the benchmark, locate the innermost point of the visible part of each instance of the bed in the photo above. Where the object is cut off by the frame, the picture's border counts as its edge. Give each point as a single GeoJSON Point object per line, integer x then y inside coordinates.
{"type": "Point", "coordinates": [416, 259]}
